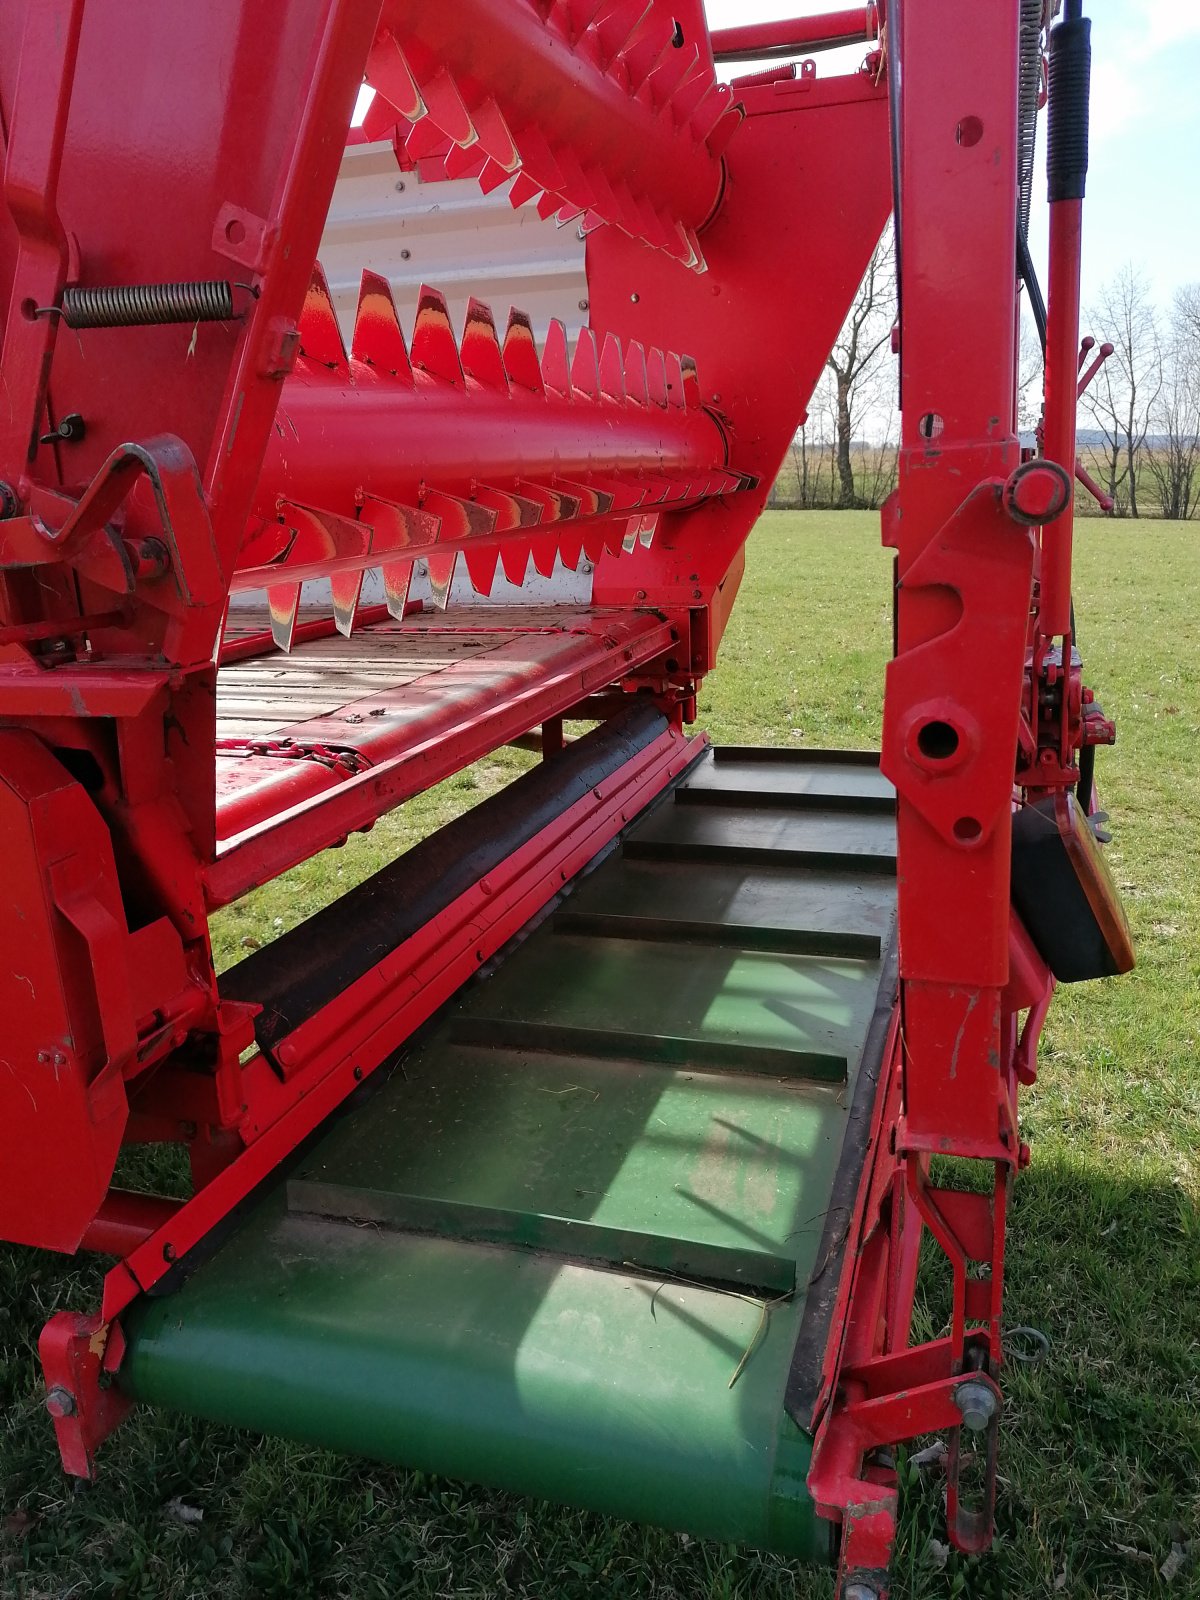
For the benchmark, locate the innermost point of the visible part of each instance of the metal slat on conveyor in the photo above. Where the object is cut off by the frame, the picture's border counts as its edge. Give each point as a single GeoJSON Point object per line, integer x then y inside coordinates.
{"type": "Point", "coordinates": [593, 1192]}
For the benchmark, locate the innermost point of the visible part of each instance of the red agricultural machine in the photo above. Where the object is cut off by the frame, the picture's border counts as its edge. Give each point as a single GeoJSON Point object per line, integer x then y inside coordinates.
{"type": "Point", "coordinates": [588, 1148]}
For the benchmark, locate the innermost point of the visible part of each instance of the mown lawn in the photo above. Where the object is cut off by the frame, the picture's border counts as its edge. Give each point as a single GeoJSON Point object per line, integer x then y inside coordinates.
{"type": "Point", "coordinates": [1101, 1455]}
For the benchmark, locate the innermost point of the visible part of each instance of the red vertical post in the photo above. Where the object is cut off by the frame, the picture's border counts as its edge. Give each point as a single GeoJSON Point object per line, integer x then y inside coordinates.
{"type": "Point", "coordinates": [964, 570]}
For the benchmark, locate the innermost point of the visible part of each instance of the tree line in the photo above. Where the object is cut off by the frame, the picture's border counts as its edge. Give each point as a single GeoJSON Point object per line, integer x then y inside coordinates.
{"type": "Point", "coordinates": [1139, 419]}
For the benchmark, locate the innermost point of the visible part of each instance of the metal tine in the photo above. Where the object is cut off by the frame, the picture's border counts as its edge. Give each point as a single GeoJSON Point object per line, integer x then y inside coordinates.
{"type": "Point", "coordinates": [573, 180]}
{"type": "Point", "coordinates": [691, 382]}
{"type": "Point", "coordinates": [711, 109]}
{"type": "Point", "coordinates": [556, 370]}
{"type": "Point", "coordinates": [687, 95]}
{"type": "Point", "coordinates": [727, 125]}
{"type": "Point", "coordinates": [593, 543]}
{"type": "Point", "coordinates": [424, 139]}
{"type": "Point", "coordinates": [393, 80]}
{"type": "Point", "coordinates": [544, 550]}
{"type": "Point", "coordinates": [512, 510]}
{"type": "Point", "coordinates": [540, 158]}
{"type": "Point", "coordinates": [495, 136]}
{"type": "Point", "coordinates": [616, 25]}
{"type": "Point", "coordinates": [604, 199]}
{"type": "Point", "coordinates": [635, 373]}
{"type": "Point", "coordinates": [345, 589]}
{"type": "Point", "coordinates": [674, 376]}
{"type": "Point", "coordinates": [674, 67]}
{"type": "Point", "coordinates": [571, 17]}
{"type": "Point", "coordinates": [557, 505]}
{"type": "Point", "coordinates": [398, 527]}
{"type": "Point", "coordinates": [592, 502]}
{"type": "Point", "coordinates": [481, 569]}
{"type": "Point", "coordinates": [520, 354]}
{"type": "Point", "coordinates": [397, 575]}
{"type": "Point", "coordinates": [439, 567]}
{"type": "Point", "coordinates": [460, 519]}
{"type": "Point", "coordinates": [320, 336]}
{"type": "Point", "coordinates": [463, 161]}
{"type": "Point", "coordinates": [644, 49]}
{"type": "Point", "coordinates": [491, 176]}
{"type": "Point", "coordinates": [656, 378]}
{"type": "Point", "coordinates": [382, 121]}
{"type": "Point", "coordinates": [433, 346]}
{"type": "Point", "coordinates": [482, 358]}
{"type": "Point", "coordinates": [647, 527]}
{"type": "Point", "coordinates": [612, 369]}
{"type": "Point", "coordinates": [549, 203]}
{"type": "Point", "coordinates": [623, 494]}
{"type": "Point", "coordinates": [514, 560]}
{"type": "Point", "coordinates": [585, 366]}
{"type": "Point", "coordinates": [377, 340]}
{"type": "Point", "coordinates": [524, 188]}
{"type": "Point", "coordinates": [283, 602]}
{"type": "Point", "coordinates": [571, 551]}
{"type": "Point", "coordinates": [447, 108]}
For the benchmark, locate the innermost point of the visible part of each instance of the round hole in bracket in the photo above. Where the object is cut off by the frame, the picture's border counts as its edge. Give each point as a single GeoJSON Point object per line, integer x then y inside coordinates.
{"type": "Point", "coordinates": [968, 132]}
{"type": "Point", "coordinates": [930, 425]}
{"type": "Point", "coordinates": [235, 230]}
{"type": "Point", "coordinates": [937, 741]}
{"type": "Point", "coordinates": [968, 829]}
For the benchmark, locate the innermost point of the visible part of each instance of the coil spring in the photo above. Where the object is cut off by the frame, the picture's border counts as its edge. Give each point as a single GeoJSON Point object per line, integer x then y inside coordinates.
{"type": "Point", "coordinates": [130, 305]}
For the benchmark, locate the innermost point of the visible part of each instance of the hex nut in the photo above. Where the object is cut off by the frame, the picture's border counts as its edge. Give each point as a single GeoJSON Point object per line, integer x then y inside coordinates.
{"type": "Point", "coordinates": [977, 1402]}
{"type": "Point", "coordinates": [60, 1402]}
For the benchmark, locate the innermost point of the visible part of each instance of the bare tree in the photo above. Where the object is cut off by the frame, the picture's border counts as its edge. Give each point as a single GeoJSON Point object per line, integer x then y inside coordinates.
{"type": "Point", "coordinates": [857, 357]}
{"type": "Point", "coordinates": [1174, 460]}
{"type": "Point", "coordinates": [1123, 395]}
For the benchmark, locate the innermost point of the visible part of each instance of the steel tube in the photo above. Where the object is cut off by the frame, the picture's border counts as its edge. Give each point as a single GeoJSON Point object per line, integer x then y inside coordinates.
{"type": "Point", "coordinates": [1062, 355]}
{"type": "Point", "coordinates": [335, 442]}
{"type": "Point", "coordinates": [766, 41]}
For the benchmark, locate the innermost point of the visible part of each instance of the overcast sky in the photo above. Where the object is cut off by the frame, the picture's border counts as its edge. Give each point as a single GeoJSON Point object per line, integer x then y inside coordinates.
{"type": "Point", "coordinates": [1143, 200]}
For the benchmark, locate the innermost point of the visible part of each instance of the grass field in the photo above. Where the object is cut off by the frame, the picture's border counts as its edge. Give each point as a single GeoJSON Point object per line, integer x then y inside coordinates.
{"type": "Point", "coordinates": [1101, 1441]}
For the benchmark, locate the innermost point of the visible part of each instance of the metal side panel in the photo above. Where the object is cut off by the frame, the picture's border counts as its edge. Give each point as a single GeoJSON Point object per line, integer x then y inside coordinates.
{"type": "Point", "coordinates": [566, 1248]}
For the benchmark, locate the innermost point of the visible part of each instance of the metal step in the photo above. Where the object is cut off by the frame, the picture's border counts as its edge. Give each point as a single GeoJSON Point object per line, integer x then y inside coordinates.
{"type": "Point", "coordinates": [566, 1248]}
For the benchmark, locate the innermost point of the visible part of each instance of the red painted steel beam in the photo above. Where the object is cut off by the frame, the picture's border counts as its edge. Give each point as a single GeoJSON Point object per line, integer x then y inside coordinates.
{"type": "Point", "coordinates": [125, 1221]}
{"type": "Point", "coordinates": [767, 41]}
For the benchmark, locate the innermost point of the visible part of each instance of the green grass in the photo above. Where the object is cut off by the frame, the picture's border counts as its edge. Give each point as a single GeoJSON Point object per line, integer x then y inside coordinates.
{"type": "Point", "coordinates": [1101, 1442]}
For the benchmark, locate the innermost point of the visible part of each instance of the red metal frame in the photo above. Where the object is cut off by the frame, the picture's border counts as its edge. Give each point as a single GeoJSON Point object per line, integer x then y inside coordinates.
{"type": "Point", "coordinates": [149, 469]}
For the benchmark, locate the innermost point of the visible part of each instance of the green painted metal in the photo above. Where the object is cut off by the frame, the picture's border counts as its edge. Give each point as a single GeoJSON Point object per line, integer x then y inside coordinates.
{"type": "Point", "coordinates": [564, 1248]}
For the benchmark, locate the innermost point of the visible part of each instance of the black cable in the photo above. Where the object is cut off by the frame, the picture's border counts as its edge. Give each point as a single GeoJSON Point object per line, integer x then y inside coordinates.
{"type": "Point", "coordinates": [1028, 276]}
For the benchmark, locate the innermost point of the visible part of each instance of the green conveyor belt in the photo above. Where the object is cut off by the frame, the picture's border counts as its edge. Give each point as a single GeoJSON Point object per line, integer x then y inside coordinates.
{"type": "Point", "coordinates": [538, 1255]}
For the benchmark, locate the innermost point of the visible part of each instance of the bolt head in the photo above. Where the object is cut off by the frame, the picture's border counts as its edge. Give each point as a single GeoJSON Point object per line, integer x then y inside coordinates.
{"type": "Point", "coordinates": [860, 1591]}
{"type": "Point", "coordinates": [977, 1402]}
{"type": "Point", "coordinates": [60, 1402]}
